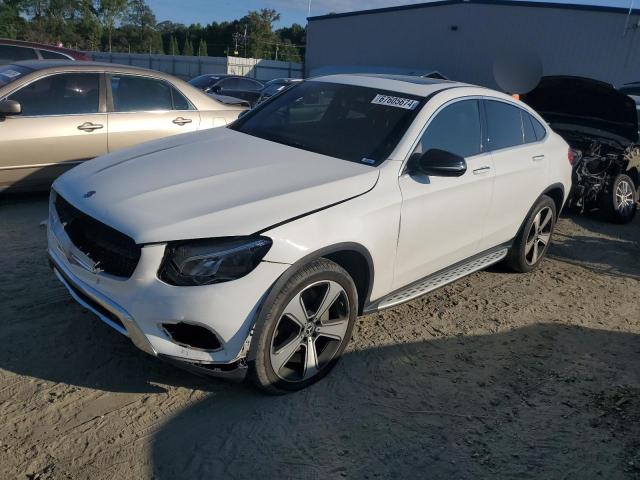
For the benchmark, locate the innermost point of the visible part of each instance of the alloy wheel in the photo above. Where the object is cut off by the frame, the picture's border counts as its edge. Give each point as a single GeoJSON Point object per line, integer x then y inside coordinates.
{"type": "Point", "coordinates": [310, 331]}
{"type": "Point", "coordinates": [539, 236]}
{"type": "Point", "coordinates": [624, 197]}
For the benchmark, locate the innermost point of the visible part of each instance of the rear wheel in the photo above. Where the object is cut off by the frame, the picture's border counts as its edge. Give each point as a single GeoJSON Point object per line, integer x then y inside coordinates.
{"type": "Point", "coordinates": [532, 242]}
{"type": "Point", "coordinates": [303, 329]}
{"type": "Point", "coordinates": [620, 203]}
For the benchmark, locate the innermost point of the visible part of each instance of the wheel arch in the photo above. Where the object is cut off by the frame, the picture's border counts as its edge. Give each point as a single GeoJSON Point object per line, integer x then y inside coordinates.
{"type": "Point", "coordinates": [556, 192]}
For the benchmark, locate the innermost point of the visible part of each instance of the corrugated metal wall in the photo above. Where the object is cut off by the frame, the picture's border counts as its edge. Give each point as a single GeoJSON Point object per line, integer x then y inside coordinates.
{"type": "Point", "coordinates": [568, 42]}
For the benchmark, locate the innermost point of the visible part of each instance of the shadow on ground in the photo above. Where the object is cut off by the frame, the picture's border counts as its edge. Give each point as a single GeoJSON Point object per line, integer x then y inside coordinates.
{"type": "Point", "coordinates": [521, 404]}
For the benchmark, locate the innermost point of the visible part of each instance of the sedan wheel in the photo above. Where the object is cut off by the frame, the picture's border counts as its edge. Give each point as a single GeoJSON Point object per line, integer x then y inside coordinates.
{"type": "Point", "coordinates": [625, 198]}
{"type": "Point", "coordinates": [539, 236]}
{"type": "Point", "coordinates": [310, 331]}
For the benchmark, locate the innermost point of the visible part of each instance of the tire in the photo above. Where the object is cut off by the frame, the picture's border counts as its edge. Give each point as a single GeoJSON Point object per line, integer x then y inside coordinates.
{"type": "Point", "coordinates": [619, 203]}
{"type": "Point", "coordinates": [533, 239]}
{"type": "Point", "coordinates": [279, 358]}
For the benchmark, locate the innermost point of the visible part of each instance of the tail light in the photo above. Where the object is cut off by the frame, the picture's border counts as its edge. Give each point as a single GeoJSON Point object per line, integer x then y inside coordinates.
{"type": "Point", "coordinates": [573, 156]}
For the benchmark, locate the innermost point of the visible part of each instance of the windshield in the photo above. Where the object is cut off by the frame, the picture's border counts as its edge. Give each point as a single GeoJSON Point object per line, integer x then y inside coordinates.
{"type": "Point", "coordinates": [273, 88]}
{"type": "Point", "coordinates": [352, 123]}
{"type": "Point", "coordinates": [203, 81]}
{"type": "Point", "coordinates": [11, 73]}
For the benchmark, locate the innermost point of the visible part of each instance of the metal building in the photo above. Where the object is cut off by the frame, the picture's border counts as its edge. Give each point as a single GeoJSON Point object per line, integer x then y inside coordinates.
{"type": "Point", "coordinates": [463, 38]}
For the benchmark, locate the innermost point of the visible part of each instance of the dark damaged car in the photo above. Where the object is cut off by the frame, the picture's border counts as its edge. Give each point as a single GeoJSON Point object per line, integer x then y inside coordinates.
{"type": "Point", "coordinates": [601, 126]}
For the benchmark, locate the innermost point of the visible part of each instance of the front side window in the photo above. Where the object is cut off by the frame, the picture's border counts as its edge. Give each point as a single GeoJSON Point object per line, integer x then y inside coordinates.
{"type": "Point", "coordinates": [11, 53]}
{"type": "Point", "coordinates": [228, 84]}
{"type": "Point", "coordinates": [504, 125]}
{"type": "Point", "coordinates": [203, 81]}
{"type": "Point", "coordinates": [349, 122]}
{"type": "Point", "coordinates": [140, 94]}
{"type": "Point", "coordinates": [62, 94]}
{"type": "Point", "coordinates": [455, 129]}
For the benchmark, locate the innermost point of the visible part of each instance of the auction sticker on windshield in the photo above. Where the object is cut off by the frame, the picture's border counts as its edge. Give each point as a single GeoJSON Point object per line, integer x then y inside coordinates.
{"type": "Point", "coordinates": [399, 102]}
{"type": "Point", "coordinates": [10, 73]}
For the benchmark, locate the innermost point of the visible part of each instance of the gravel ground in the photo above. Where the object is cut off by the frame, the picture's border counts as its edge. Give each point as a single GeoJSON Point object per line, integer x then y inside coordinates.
{"type": "Point", "coordinates": [496, 376]}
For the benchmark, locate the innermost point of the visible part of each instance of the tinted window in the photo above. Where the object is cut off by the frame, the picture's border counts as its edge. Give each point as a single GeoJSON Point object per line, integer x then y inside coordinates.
{"type": "Point", "coordinates": [229, 84]}
{"type": "Point", "coordinates": [527, 127]}
{"type": "Point", "coordinates": [53, 55]}
{"type": "Point", "coordinates": [64, 94]}
{"type": "Point", "coordinates": [9, 53]}
{"type": "Point", "coordinates": [630, 90]}
{"type": "Point", "coordinates": [139, 94]}
{"type": "Point", "coordinates": [180, 102]}
{"type": "Point", "coordinates": [504, 125]}
{"type": "Point", "coordinates": [342, 121]}
{"type": "Point", "coordinates": [203, 81]}
{"type": "Point", "coordinates": [11, 73]}
{"type": "Point", "coordinates": [455, 129]}
{"type": "Point", "coordinates": [245, 84]}
{"type": "Point", "coordinates": [540, 131]}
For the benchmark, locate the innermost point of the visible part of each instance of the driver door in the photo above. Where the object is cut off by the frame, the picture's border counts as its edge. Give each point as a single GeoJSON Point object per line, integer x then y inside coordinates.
{"type": "Point", "coordinates": [442, 218]}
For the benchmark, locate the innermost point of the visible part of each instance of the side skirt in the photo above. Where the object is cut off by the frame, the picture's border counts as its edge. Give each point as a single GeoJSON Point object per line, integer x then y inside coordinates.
{"type": "Point", "coordinates": [440, 278]}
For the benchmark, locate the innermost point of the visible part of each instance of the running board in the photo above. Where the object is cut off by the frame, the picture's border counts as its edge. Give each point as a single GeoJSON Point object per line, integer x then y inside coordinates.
{"type": "Point", "coordinates": [439, 279]}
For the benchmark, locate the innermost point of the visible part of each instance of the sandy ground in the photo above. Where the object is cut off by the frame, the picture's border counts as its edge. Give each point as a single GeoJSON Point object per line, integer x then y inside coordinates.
{"type": "Point", "coordinates": [496, 376]}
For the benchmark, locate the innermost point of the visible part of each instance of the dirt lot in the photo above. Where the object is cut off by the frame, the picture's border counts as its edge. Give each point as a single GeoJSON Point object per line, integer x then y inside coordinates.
{"type": "Point", "coordinates": [496, 376]}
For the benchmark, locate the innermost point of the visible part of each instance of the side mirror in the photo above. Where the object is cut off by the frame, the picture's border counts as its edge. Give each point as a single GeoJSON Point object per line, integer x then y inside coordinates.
{"type": "Point", "coordinates": [438, 163]}
{"type": "Point", "coordinates": [10, 107]}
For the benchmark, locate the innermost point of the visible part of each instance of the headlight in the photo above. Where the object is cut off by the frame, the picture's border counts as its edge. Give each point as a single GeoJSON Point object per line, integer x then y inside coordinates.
{"type": "Point", "coordinates": [203, 262]}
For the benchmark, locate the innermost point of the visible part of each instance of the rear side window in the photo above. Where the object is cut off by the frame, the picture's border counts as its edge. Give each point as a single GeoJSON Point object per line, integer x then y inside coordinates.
{"type": "Point", "coordinates": [140, 94]}
{"type": "Point", "coordinates": [527, 127]}
{"type": "Point", "coordinates": [540, 131]}
{"type": "Point", "coordinates": [504, 125]}
{"type": "Point", "coordinates": [455, 129]}
{"type": "Point", "coordinates": [10, 53]}
{"type": "Point", "coordinates": [246, 84]}
{"type": "Point", "coordinates": [180, 102]}
{"type": "Point", "coordinates": [46, 54]}
{"type": "Point", "coordinates": [63, 94]}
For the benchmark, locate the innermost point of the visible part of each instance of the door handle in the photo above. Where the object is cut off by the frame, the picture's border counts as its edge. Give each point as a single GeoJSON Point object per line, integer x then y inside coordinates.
{"type": "Point", "coordinates": [90, 127]}
{"type": "Point", "coordinates": [481, 170]}
{"type": "Point", "coordinates": [182, 121]}
{"type": "Point", "coordinates": [537, 158]}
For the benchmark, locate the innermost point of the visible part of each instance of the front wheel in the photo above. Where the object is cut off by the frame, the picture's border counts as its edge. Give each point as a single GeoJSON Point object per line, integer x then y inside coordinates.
{"type": "Point", "coordinates": [303, 328]}
{"type": "Point", "coordinates": [620, 203]}
{"type": "Point", "coordinates": [532, 242]}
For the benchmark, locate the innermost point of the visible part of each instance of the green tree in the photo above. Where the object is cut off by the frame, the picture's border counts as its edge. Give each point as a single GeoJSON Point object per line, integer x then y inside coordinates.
{"type": "Point", "coordinates": [202, 48]}
{"type": "Point", "coordinates": [110, 12]}
{"type": "Point", "coordinates": [173, 49]}
{"type": "Point", "coordinates": [261, 39]}
{"type": "Point", "coordinates": [187, 49]}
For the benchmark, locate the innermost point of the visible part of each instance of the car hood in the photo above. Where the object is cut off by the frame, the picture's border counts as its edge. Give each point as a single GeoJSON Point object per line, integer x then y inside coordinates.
{"type": "Point", "coordinates": [213, 183]}
{"type": "Point", "coordinates": [584, 102]}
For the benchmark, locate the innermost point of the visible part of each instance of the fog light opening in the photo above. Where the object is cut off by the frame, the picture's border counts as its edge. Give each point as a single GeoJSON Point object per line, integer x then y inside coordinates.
{"type": "Point", "coordinates": [192, 336]}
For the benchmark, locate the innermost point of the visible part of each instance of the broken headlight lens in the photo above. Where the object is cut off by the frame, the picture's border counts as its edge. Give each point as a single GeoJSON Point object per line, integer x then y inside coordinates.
{"type": "Point", "coordinates": [204, 262]}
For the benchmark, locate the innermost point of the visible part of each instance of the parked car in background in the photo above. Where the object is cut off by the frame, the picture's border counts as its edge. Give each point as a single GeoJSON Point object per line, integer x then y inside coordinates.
{"type": "Point", "coordinates": [601, 125]}
{"type": "Point", "coordinates": [230, 86]}
{"type": "Point", "coordinates": [275, 86]}
{"type": "Point", "coordinates": [15, 51]}
{"type": "Point", "coordinates": [340, 196]}
{"type": "Point", "coordinates": [55, 114]}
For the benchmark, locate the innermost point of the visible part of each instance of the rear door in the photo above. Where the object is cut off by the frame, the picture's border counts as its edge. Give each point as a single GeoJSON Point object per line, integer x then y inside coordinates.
{"type": "Point", "coordinates": [63, 122]}
{"type": "Point", "coordinates": [520, 169]}
{"type": "Point", "coordinates": [145, 108]}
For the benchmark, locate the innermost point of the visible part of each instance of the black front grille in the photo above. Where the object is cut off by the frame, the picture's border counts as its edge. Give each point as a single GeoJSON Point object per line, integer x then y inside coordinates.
{"type": "Point", "coordinates": [114, 252]}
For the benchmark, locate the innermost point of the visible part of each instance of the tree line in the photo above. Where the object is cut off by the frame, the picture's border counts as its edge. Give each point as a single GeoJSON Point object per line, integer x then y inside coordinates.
{"type": "Point", "coordinates": [131, 26]}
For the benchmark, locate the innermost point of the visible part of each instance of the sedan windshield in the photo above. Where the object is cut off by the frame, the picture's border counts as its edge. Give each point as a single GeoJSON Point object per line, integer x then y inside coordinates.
{"type": "Point", "coordinates": [349, 122]}
{"type": "Point", "coordinates": [11, 73]}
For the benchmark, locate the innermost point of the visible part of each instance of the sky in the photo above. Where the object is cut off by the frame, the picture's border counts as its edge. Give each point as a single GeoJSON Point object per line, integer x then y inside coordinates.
{"type": "Point", "coordinates": [291, 11]}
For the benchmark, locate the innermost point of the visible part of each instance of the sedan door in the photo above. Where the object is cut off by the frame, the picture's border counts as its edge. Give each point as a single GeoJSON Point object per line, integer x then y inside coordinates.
{"type": "Point", "coordinates": [62, 123]}
{"type": "Point", "coordinates": [520, 168]}
{"type": "Point", "coordinates": [442, 218]}
{"type": "Point", "coordinates": [145, 108]}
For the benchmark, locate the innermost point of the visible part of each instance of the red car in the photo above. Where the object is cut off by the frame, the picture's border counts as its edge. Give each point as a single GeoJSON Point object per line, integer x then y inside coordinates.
{"type": "Point", "coordinates": [16, 50]}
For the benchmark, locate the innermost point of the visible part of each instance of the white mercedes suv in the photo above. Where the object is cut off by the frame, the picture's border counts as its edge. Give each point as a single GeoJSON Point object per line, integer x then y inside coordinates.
{"type": "Point", "coordinates": [250, 250]}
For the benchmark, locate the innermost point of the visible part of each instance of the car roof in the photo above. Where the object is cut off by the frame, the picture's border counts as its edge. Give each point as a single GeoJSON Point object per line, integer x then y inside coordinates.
{"type": "Point", "coordinates": [75, 66]}
{"type": "Point", "coordinates": [399, 83]}
{"type": "Point", "coordinates": [41, 46]}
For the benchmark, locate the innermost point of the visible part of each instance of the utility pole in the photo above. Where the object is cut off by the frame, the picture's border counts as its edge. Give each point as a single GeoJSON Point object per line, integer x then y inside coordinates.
{"type": "Point", "coordinates": [309, 11]}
